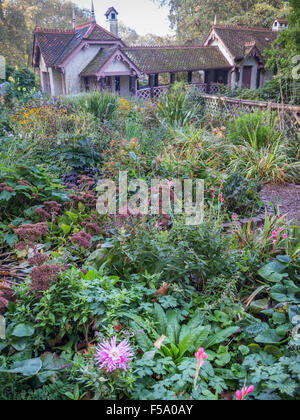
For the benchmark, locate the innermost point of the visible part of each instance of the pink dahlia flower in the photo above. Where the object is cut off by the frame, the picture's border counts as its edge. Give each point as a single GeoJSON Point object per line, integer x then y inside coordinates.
{"type": "Point", "coordinates": [111, 356]}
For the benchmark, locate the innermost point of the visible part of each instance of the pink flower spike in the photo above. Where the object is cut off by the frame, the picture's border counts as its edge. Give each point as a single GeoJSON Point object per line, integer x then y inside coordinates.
{"type": "Point", "coordinates": [199, 353]}
{"type": "Point", "coordinates": [250, 389]}
{"type": "Point", "coordinates": [284, 236]}
{"type": "Point", "coordinates": [223, 199]}
{"type": "Point", "coordinates": [280, 229]}
{"type": "Point", "coordinates": [274, 234]}
{"type": "Point", "coordinates": [239, 395]}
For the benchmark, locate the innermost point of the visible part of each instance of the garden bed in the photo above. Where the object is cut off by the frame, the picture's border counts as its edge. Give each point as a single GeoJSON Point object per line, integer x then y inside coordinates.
{"type": "Point", "coordinates": [137, 305]}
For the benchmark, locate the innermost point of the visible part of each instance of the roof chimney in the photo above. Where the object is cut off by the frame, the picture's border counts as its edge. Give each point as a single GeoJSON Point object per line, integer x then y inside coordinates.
{"type": "Point", "coordinates": [215, 21]}
{"type": "Point", "coordinates": [112, 18]}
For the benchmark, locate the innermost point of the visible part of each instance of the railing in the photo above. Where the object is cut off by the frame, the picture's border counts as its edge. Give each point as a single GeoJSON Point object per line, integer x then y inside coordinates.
{"type": "Point", "coordinates": [144, 93]}
{"type": "Point", "coordinates": [159, 90]}
{"type": "Point", "coordinates": [156, 92]}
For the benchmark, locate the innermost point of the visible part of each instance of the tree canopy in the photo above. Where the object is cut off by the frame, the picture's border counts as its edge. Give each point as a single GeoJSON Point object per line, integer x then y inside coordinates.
{"type": "Point", "coordinates": [18, 19]}
{"type": "Point", "coordinates": [193, 18]}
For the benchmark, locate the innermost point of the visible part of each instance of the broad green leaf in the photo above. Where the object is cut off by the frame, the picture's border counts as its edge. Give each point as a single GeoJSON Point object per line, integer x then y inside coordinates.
{"type": "Point", "coordinates": [173, 327]}
{"type": "Point", "coordinates": [26, 367]}
{"type": "Point", "coordinates": [65, 228]}
{"type": "Point", "coordinates": [220, 336]}
{"type": "Point", "coordinates": [268, 336]}
{"type": "Point", "coordinates": [285, 292]}
{"type": "Point", "coordinates": [160, 318]}
{"type": "Point", "coordinates": [23, 330]}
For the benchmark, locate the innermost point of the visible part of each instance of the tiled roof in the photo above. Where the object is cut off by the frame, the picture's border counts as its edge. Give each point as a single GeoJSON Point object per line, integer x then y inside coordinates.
{"type": "Point", "coordinates": [53, 44]}
{"type": "Point", "coordinates": [235, 38]}
{"type": "Point", "coordinates": [75, 41]}
{"type": "Point", "coordinates": [100, 34]}
{"type": "Point", "coordinates": [281, 20]}
{"type": "Point", "coordinates": [57, 45]}
{"type": "Point", "coordinates": [100, 59]}
{"type": "Point", "coordinates": [171, 59]}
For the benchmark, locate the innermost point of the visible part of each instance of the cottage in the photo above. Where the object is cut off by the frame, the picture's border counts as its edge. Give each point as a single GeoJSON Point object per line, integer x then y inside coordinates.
{"type": "Point", "coordinates": [90, 57]}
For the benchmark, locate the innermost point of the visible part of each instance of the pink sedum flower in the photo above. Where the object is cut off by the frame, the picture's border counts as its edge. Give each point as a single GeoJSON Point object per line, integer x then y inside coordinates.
{"type": "Point", "coordinates": [241, 395]}
{"type": "Point", "coordinates": [111, 356]}
{"type": "Point", "coordinates": [274, 234]}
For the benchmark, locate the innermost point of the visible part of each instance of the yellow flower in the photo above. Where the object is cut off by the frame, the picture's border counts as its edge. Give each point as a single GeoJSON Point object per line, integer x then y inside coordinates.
{"type": "Point", "coordinates": [11, 79]}
{"type": "Point", "coordinates": [24, 89]}
{"type": "Point", "coordinates": [19, 88]}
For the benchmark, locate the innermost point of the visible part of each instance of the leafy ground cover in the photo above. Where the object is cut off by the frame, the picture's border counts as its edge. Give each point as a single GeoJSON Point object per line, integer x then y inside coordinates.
{"type": "Point", "coordinates": [143, 307]}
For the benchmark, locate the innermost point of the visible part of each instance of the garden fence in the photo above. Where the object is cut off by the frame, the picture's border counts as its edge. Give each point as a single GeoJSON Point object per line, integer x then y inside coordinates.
{"type": "Point", "coordinates": [215, 105]}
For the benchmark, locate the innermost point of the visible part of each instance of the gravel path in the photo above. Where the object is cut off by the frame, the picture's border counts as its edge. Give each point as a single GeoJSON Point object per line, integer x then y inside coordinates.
{"type": "Point", "coordinates": [287, 197]}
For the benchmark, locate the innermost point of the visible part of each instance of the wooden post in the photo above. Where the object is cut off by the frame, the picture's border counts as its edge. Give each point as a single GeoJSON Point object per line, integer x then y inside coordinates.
{"type": "Point", "coordinates": [172, 78]}
{"type": "Point", "coordinates": [190, 77]}
{"type": "Point", "coordinates": [151, 83]}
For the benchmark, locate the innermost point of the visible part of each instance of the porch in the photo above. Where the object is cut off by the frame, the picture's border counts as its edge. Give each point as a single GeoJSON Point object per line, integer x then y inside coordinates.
{"type": "Point", "coordinates": [147, 72]}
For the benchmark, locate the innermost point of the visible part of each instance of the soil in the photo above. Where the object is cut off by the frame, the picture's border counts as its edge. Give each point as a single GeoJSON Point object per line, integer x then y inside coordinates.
{"type": "Point", "coordinates": [286, 197]}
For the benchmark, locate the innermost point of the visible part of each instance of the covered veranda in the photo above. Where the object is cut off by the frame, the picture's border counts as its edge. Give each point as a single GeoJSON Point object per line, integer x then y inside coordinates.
{"type": "Point", "coordinates": [147, 72]}
{"type": "Point", "coordinates": [204, 67]}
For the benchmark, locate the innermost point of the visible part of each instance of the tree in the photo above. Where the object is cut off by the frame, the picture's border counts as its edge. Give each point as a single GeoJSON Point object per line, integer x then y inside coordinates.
{"type": "Point", "coordinates": [20, 17]}
{"type": "Point", "coordinates": [285, 54]}
{"type": "Point", "coordinates": [194, 18]}
{"type": "Point", "coordinates": [132, 38]}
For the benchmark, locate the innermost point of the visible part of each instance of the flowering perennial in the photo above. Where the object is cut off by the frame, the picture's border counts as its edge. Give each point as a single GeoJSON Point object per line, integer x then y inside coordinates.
{"type": "Point", "coordinates": [201, 356]}
{"type": "Point", "coordinates": [111, 356]}
{"type": "Point", "coordinates": [241, 395]}
{"type": "Point", "coordinates": [82, 239]}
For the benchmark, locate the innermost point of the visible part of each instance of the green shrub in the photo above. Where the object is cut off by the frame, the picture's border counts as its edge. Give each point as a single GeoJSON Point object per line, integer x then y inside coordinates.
{"type": "Point", "coordinates": [268, 164]}
{"type": "Point", "coordinates": [103, 105]}
{"type": "Point", "coordinates": [174, 108]}
{"type": "Point", "coordinates": [22, 85]}
{"type": "Point", "coordinates": [242, 195]}
{"type": "Point", "coordinates": [257, 129]}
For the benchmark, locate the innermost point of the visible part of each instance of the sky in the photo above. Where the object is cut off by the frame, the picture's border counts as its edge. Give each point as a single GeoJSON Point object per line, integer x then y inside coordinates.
{"type": "Point", "coordinates": [144, 16]}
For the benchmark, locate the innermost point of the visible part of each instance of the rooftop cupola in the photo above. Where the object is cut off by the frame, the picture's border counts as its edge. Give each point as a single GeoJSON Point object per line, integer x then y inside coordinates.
{"type": "Point", "coordinates": [280, 24]}
{"type": "Point", "coordinates": [112, 18]}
